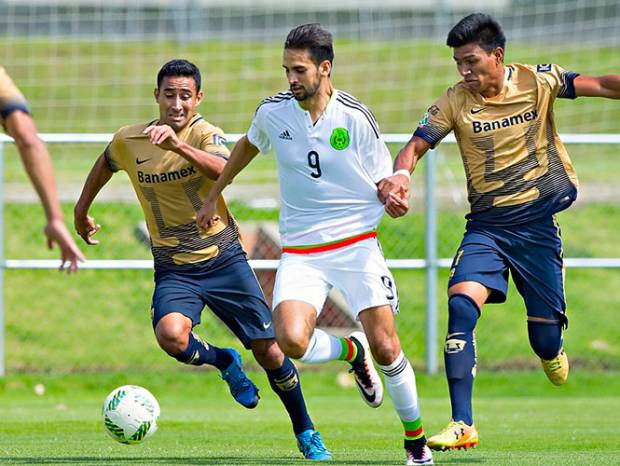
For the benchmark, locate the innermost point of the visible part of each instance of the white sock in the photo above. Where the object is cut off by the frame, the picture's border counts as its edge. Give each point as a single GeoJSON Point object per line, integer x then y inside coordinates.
{"type": "Point", "coordinates": [400, 384]}
{"type": "Point", "coordinates": [323, 347]}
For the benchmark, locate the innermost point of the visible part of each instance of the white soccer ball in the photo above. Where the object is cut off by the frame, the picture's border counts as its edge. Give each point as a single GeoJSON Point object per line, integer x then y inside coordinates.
{"type": "Point", "coordinates": [130, 414]}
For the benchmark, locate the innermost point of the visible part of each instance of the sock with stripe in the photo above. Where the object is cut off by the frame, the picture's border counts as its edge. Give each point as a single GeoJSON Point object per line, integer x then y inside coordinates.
{"type": "Point", "coordinates": [285, 382]}
{"type": "Point", "coordinates": [400, 384]}
{"type": "Point", "coordinates": [324, 347]}
{"type": "Point", "coordinates": [199, 352]}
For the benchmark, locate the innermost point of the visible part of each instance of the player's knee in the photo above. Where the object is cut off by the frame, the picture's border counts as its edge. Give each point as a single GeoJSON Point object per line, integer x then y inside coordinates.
{"type": "Point", "coordinates": [463, 313]}
{"type": "Point", "coordinates": [172, 335]}
{"type": "Point", "coordinates": [386, 351]}
{"type": "Point", "coordinates": [267, 353]}
{"type": "Point", "coordinates": [293, 345]}
{"type": "Point", "coordinates": [545, 338]}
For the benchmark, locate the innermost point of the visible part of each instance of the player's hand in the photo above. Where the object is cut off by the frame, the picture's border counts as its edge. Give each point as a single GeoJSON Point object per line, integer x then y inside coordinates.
{"type": "Point", "coordinates": [163, 136]}
{"type": "Point", "coordinates": [392, 184]}
{"type": "Point", "coordinates": [397, 204]}
{"type": "Point", "coordinates": [86, 228]}
{"type": "Point", "coordinates": [206, 218]}
{"type": "Point", "coordinates": [57, 233]}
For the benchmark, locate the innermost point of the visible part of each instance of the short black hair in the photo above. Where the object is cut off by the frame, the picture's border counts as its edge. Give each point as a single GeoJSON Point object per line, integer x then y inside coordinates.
{"type": "Point", "coordinates": [477, 28]}
{"type": "Point", "coordinates": [315, 39]}
{"type": "Point", "coordinates": [179, 67]}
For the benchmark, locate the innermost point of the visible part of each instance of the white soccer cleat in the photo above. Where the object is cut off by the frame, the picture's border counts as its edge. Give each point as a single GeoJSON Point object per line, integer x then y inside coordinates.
{"type": "Point", "coordinates": [418, 455]}
{"type": "Point", "coordinates": [366, 377]}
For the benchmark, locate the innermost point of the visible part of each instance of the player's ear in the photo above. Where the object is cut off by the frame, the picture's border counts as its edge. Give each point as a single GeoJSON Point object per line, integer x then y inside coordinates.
{"type": "Point", "coordinates": [199, 97]}
{"type": "Point", "coordinates": [156, 94]}
{"type": "Point", "coordinates": [325, 67]}
{"type": "Point", "coordinates": [499, 54]}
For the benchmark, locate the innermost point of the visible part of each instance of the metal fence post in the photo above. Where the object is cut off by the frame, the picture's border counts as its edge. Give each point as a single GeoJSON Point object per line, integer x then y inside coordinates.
{"type": "Point", "coordinates": [430, 254]}
{"type": "Point", "coordinates": [2, 329]}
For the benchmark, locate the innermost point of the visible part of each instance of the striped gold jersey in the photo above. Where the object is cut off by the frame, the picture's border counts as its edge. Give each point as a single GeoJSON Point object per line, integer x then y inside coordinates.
{"type": "Point", "coordinates": [517, 168]}
{"type": "Point", "coordinates": [11, 98]}
{"type": "Point", "coordinates": [171, 191]}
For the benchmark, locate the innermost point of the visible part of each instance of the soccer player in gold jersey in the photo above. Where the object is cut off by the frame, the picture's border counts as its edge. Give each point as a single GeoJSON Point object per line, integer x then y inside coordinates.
{"type": "Point", "coordinates": [18, 123]}
{"type": "Point", "coordinates": [518, 175]}
{"type": "Point", "coordinates": [172, 163]}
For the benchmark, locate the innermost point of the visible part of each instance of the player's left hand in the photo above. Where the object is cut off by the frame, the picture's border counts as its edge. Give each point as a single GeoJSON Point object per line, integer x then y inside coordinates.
{"type": "Point", "coordinates": [397, 204]}
{"type": "Point", "coordinates": [206, 217]}
{"type": "Point", "coordinates": [163, 136]}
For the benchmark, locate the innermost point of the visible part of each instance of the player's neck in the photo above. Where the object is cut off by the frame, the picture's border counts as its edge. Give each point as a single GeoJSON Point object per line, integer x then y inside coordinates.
{"type": "Point", "coordinates": [317, 104]}
{"type": "Point", "coordinates": [496, 84]}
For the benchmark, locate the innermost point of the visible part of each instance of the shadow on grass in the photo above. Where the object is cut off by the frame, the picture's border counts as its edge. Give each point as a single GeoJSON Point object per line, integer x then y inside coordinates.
{"type": "Point", "coordinates": [227, 460]}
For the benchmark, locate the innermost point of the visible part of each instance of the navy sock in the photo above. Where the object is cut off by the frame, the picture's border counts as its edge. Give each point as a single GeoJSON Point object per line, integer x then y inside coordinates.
{"type": "Point", "coordinates": [460, 355]}
{"type": "Point", "coordinates": [285, 382]}
{"type": "Point", "coordinates": [545, 338]}
{"type": "Point", "coordinates": [199, 352]}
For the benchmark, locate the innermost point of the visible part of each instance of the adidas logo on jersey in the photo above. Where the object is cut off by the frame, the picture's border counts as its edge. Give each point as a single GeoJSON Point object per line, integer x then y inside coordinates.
{"type": "Point", "coordinates": [286, 135]}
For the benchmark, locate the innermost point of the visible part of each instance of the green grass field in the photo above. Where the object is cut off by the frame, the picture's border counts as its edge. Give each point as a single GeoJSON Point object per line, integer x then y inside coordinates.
{"type": "Point", "coordinates": [522, 420]}
{"type": "Point", "coordinates": [82, 336]}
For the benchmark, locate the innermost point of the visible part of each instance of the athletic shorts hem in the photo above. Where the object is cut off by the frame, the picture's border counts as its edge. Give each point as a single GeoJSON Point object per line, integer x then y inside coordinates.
{"type": "Point", "coordinates": [498, 292]}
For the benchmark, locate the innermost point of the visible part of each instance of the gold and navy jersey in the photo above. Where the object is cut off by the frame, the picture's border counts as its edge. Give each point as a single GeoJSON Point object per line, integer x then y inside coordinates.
{"type": "Point", "coordinates": [517, 168]}
{"type": "Point", "coordinates": [10, 97]}
{"type": "Point", "coordinates": [171, 190]}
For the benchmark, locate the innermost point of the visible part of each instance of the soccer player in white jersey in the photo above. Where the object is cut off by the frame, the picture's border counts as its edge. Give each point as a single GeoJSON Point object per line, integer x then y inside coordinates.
{"type": "Point", "coordinates": [330, 157]}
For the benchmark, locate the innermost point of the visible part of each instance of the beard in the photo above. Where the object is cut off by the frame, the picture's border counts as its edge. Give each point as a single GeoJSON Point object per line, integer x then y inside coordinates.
{"type": "Point", "coordinates": [304, 93]}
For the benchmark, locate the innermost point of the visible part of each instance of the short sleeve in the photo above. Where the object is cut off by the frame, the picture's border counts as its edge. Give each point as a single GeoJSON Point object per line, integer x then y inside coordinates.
{"type": "Point", "coordinates": [257, 134]}
{"type": "Point", "coordinates": [438, 121]}
{"type": "Point", "coordinates": [376, 157]}
{"type": "Point", "coordinates": [214, 142]}
{"type": "Point", "coordinates": [111, 155]}
{"type": "Point", "coordinates": [560, 81]}
{"type": "Point", "coordinates": [11, 99]}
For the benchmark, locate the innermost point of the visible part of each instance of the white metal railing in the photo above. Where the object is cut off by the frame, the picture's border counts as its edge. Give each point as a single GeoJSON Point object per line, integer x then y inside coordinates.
{"type": "Point", "coordinates": [430, 262]}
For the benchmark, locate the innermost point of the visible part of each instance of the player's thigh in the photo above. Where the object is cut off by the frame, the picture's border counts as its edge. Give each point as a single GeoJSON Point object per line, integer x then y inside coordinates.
{"type": "Point", "coordinates": [362, 275]}
{"type": "Point", "coordinates": [235, 296]}
{"type": "Point", "coordinates": [480, 259]}
{"type": "Point", "coordinates": [537, 269]}
{"type": "Point", "coordinates": [300, 278]}
{"type": "Point", "coordinates": [176, 293]}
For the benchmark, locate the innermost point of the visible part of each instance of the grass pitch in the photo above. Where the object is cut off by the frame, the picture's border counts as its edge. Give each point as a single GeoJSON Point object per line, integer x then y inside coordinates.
{"type": "Point", "coordinates": [521, 417]}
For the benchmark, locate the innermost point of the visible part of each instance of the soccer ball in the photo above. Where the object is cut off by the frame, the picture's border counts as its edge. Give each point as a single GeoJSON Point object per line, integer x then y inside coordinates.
{"type": "Point", "coordinates": [130, 414]}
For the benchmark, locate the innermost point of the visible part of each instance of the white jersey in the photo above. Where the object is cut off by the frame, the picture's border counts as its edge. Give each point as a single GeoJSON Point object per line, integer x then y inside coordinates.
{"type": "Point", "coordinates": [328, 171]}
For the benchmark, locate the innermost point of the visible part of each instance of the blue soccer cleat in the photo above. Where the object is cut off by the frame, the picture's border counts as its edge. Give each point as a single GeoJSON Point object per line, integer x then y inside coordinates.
{"type": "Point", "coordinates": [241, 388]}
{"type": "Point", "coordinates": [311, 446]}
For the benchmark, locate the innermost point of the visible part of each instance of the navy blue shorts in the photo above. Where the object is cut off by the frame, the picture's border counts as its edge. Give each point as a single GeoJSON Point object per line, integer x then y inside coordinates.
{"type": "Point", "coordinates": [227, 285]}
{"type": "Point", "coordinates": [531, 252]}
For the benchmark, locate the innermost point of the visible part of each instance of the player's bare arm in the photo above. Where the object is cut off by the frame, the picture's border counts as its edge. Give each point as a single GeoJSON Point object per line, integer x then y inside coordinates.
{"type": "Point", "coordinates": [602, 86]}
{"type": "Point", "coordinates": [166, 138]}
{"type": "Point", "coordinates": [405, 163]}
{"type": "Point", "coordinates": [38, 165]}
{"type": "Point", "coordinates": [241, 155]}
{"type": "Point", "coordinates": [84, 224]}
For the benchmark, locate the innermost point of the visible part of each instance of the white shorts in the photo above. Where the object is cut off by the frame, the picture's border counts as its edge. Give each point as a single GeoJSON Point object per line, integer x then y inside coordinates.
{"type": "Point", "coordinates": [359, 271]}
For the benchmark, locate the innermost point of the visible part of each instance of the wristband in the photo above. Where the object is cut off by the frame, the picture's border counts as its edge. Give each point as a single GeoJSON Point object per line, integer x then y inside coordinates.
{"type": "Point", "coordinates": [403, 171]}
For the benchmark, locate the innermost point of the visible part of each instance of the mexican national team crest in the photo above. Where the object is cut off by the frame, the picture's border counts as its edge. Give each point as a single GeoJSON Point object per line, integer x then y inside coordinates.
{"type": "Point", "coordinates": [339, 139]}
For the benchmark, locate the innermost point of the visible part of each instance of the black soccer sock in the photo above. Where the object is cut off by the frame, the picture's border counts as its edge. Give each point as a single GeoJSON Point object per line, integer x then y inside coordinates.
{"type": "Point", "coordinates": [460, 355]}
{"type": "Point", "coordinates": [545, 338]}
{"type": "Point", "coordinates": [199, 352]}
{"type": "Point", "coordinates": [285, 382]}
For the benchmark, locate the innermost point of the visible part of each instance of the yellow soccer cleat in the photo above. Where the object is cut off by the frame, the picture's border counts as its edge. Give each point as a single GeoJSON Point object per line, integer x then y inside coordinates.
{"type": "Point", "coordinates": [457, 435]}
{"type": "Point", "coordinates": [556, 368]}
